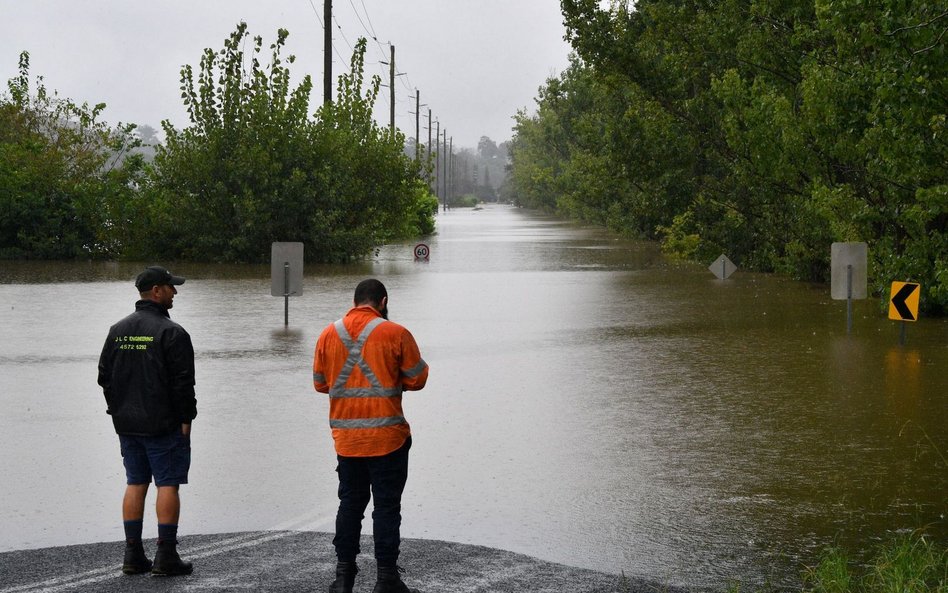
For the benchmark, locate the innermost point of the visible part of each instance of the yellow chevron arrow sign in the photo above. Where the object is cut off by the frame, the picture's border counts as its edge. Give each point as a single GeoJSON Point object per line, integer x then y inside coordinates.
{"type": "Point", "coordinates": [903, 303]}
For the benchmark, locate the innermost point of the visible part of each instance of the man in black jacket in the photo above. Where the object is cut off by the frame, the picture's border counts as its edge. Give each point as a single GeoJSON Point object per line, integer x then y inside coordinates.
{"type": "Point", "coordinates": [146, 371]}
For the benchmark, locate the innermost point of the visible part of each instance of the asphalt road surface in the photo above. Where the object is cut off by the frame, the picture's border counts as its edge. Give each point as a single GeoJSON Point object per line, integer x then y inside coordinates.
{"type": "Point", "coordinates": [300, 561]}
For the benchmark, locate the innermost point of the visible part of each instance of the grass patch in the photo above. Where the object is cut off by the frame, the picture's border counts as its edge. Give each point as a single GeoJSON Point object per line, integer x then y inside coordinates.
{"type": "Point", "coordinates": [910, 563]}
{"type": "Point", "coordinates": [465, 201]}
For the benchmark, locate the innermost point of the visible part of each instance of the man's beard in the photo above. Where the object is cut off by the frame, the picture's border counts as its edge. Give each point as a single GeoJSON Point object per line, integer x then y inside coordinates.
{"type": "Point", "coordinates": [384, 312]}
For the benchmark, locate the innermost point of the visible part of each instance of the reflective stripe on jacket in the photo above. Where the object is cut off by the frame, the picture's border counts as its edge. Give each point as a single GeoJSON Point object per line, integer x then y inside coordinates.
{"type": "Point", "coordinates": [364, 363]}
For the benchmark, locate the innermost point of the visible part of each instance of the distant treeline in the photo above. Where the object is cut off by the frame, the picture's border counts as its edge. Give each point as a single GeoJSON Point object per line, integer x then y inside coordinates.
{"type": "Point", "coordinates": [256, 165]}
{"type": "Point", "coordinates": [764, 130]}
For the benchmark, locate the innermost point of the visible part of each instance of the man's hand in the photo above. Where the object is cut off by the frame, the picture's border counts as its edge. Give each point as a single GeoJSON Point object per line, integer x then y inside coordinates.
{"type": "Point", "coordinates": [186, 430]}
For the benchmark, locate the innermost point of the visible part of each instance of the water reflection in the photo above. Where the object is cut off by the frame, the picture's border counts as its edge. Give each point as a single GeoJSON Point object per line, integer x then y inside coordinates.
{"type": "Point", "coordinates": [286, 341]}
{"type": "Point", "coordinates": [589, 403]}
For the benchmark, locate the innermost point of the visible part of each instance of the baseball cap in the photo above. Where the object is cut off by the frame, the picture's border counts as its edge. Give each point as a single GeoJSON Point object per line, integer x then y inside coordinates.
{"type": "Point", "coordinates": [156, 275]}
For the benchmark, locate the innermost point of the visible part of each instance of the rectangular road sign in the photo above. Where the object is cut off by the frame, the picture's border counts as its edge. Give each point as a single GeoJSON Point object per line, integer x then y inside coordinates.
{"type": "Point", "coordinates": [286, 269]}
{"type": "Point", "coordinates": [848, 271]}
{"type": "Point", "coordinates": [903, 301]}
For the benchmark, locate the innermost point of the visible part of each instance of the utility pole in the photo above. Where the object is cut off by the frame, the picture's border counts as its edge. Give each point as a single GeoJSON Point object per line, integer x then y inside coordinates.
{"type": "Point", "coordinates": [450, 177]}
{"type": "Point", "coordinates": [391, 70]}
{"type": "Point", "coordinates": [417, 123]}
{"type": "Point", "coordinates": [327, 52]}
{"type": "Point", "coordinates": [417, 112]}
{"type": "Point", "coordinates": [428, 151]}
{"type": "Point", "coordinates": [437, 170]}
{"type": "Point", "coordinates": [444, 174]}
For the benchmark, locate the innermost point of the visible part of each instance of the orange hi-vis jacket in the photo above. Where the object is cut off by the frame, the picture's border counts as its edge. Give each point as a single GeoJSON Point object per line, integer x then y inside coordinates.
{"type": "Point", "coordinates": [364, 362]}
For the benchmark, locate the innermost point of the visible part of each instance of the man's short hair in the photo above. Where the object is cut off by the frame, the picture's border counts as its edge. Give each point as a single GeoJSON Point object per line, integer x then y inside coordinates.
{"type": "Point", "coordinates": [369, 291]}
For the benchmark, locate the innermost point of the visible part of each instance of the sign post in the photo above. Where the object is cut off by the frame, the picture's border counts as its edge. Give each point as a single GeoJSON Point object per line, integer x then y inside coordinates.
{"type": "Point", "coordinates": [286, 274]}
{"type": "Point", "coordinates": [849, 279]}
{"type": "Point", "coordinates": [903, 304]}
{"type": "Point", "coordinates": [422, 252]}
{"type": "Point", "coordinates": [722, 267]}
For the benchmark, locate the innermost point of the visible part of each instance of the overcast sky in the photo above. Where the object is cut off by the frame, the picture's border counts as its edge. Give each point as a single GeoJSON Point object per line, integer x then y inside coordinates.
{"type": "Point", "coordinates": [475, 62]}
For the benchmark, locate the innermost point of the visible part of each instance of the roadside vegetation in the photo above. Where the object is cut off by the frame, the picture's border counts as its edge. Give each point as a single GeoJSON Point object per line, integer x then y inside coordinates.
{"type": "Point", "coordinates": [764, 130]}
{"type": "Point", "coordinates": [908, 564]}
{"type": "Point", "coordinates": [257, 164]}
{"type": "Point", "coordinates": [465, 201]}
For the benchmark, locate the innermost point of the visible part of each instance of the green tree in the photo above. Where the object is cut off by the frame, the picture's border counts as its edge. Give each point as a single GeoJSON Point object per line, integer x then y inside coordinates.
{"type": "Point", "coordinates": [255, 167]}
{"type": "Point", "coordinates": [239, 177]}
{"type": "Point", "coordinates": [374, 192]}
{"type": "Point", "coordinates": [61, 171]}
{"type": "Point", "coordinates": [767, 129]}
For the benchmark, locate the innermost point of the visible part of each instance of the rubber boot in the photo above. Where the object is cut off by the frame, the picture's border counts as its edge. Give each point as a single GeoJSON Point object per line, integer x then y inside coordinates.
{"type": "Point", "coordinates": [390, 581]}
{"type": "Point", "coordinates": [345, 577]}
{"type": "Point", "coordinates": [135, 560]}
{"type": "Point", "coordinates": [168, 563]}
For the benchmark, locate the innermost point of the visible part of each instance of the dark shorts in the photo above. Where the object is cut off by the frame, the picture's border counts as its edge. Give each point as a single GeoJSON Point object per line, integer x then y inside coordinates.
{"type": "Point", "coordinates": [166, 458]}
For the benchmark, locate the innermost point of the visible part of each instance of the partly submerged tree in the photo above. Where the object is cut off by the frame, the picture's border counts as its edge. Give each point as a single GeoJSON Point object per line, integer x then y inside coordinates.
{"type": "Point", "coordinates": [254, 167]}
{"type": "Point", "coordinates": [61, 172]}
{"type": "Point", "coordinates": [373, 191]}
{"type": "Point", "coordinates": [766, 130]}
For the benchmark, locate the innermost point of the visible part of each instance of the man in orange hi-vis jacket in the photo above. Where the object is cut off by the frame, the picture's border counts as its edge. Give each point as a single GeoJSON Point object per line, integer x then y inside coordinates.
{"type": "Point", "coordinates": [364, 362]}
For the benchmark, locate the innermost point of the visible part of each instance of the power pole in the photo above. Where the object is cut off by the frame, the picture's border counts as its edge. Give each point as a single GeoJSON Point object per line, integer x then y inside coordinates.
{"type": "Point", "coordinates": [417, 112]}
{"type": "Point", "coordinates": [417, 123]}
{"type": "Point", "coordinates": [437, 170]}
{"type": "Point", "coordinates": [391, 70]}
{"type": "Point", "coordinates": [451, 172]}
{"type": "Point", "coordinates": [428, 154]}
{"type": "Point", "coordinates": [428, 151]}
{"type": "Point", "coordinates": [444, 174]}
{"type": "Point", "coordinates": [327, 52]}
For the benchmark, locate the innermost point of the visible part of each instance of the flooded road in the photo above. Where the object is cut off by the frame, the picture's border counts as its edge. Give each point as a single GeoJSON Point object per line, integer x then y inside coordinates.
{"type": "Point", "coordinates": [590, 403]}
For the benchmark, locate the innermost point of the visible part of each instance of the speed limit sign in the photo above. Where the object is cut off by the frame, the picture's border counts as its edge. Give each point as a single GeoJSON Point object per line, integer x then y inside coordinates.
{"type": "Point", "coordinates": [422, 251]}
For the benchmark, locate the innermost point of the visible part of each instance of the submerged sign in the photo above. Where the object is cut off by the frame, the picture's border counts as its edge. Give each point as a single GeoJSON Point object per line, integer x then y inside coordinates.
{"type": "Point", "coordinates": [286, 273]}
{"type": "Point", "coordinates": [286, 269]}
{"type": "Point", "coordinates": [722, 267]}
{"type": "Point", "coordinates": [903, 304]}
{"type": "Point", "coordinates": [848, 271]}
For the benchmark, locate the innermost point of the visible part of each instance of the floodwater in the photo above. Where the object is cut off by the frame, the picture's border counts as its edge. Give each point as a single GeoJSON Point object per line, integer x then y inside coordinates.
{"type": "Point", "coordinates": [589, 403]}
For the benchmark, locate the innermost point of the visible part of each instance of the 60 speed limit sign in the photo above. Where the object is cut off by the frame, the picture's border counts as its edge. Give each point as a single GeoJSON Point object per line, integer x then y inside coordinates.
{"type": "Point", "coordinates": [422, 251]}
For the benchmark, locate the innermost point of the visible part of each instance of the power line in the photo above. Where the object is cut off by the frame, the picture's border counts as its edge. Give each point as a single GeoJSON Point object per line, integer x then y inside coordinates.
{"type": "Point", "coordinates": [372, 34]}
{"type": "Point", "coordinates": [369, 34]}
{"type": "Point", "coordinates": [370, 31]}
{"type": "Point", "coordinates": [338, 26]}
{"type": "Point", "coordinates": [325, 32]}
{"type": "Point", "coordinates": [358, 17]}
{"type": "Point", "coordinates": [405, 104]}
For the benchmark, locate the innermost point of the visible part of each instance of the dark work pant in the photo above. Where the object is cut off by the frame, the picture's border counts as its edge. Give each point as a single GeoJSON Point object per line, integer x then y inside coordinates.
{"type": "Point", "coordinates": [383, 479]}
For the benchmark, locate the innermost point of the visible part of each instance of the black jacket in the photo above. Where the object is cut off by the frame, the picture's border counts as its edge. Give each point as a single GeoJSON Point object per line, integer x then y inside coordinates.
{"type": "Point", "coordinates": [146, 370]}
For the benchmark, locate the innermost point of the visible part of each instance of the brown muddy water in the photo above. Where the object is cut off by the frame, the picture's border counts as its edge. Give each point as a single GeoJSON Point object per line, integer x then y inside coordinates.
{"type": "Point", "coordinates": [590, 403]}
